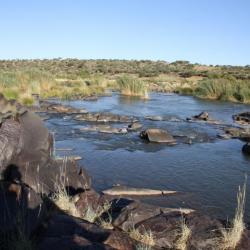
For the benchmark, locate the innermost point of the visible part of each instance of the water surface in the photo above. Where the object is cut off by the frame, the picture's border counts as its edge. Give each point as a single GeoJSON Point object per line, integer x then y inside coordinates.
{"type": "Point", "coordinates": [207, 173]}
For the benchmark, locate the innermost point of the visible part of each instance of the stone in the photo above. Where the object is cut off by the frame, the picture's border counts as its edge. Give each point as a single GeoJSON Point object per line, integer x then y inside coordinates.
{"type": "Point", "coordinates": [154, 118]}
{"type": "Point", "coordinates": [123, 190]}
{"type": "Point", "coordinates": [157, 135]}
{"type": "Point", "coordinates": [134, 126]}
{"type": "Point", "coordinates": [242, 118]}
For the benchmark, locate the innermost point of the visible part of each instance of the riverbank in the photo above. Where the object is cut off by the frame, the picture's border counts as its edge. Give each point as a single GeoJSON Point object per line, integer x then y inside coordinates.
{"type": "Point", "coordinates": [57, 207]}
{"type": "Point", "coordinates": [77, 79]}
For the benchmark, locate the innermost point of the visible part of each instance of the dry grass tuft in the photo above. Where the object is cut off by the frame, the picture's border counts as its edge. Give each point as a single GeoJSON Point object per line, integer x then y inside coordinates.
{"type": "Point", "coordinates": [146, 237]}
{"type": "Point", "coordinates": [181, 243]}
{"type": "Point", "coordinates": [64, 202]}
{"type": "Point", "coordinates": [232, 236]}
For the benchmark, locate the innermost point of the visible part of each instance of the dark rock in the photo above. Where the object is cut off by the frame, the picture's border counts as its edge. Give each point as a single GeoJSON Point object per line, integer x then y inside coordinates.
{"type": "Point", "coordinates": [120, 240]}
{"type": "Point", "coordinates": [89, 198]}
{"type": "Point", "coordinates": [56, 108]}
{"type": "Point", "coordinates": [26, 147]}
{"type": "Point", "coordinates": [135, 212]}
{"type": "Point", "coordinates": [20, 208]}
{"type": "Point", "coordinates": [157, 135]}
{"type": "Point", "coordinates": [166, 229]}
{"type": "Point", "coordinates": [202, 116]}
{"type": "Point", "coordinates": [242, 118]}
{"type": "Point", "coordinates": [246, 149]}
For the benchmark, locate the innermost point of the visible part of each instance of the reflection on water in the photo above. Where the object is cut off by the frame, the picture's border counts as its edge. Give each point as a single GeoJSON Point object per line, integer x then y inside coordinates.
{"type": "Point", "coordinates": [207, 172]}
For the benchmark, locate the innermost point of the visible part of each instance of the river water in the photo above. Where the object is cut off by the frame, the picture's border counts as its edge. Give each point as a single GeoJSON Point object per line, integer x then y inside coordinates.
{"type": "Point", "coordinates": [207, 173]}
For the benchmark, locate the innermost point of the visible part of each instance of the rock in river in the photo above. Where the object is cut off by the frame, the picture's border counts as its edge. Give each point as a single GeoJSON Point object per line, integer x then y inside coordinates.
{"type": "Point", "coordinates": [123, 190]}
{"type": "Point", "coordinates": [157, 135]}
{"type": "Point", "coordinates": [246, 149]}
{"type": "Point", "coordinates": [242, 118]}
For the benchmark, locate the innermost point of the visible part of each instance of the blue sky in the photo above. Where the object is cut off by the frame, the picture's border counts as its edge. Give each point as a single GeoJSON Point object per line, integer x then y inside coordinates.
{"type": "Point", "coordinates": [203, 31]}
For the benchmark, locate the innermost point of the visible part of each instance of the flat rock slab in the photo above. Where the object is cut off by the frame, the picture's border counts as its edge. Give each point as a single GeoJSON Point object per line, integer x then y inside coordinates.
{"type": "Point", "coordinates": [106, 129]}
{"type": "Point", "coordinates": [104, 117]}
{"type": "Point", "coordinates": [123, 190]}
{"type": "Point", "coordinates": [157, 135]}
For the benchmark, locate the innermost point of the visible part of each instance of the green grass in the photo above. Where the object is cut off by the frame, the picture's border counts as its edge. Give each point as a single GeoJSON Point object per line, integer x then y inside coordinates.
{"type": "Point", "coordinates": [224, 89]}
{"type": "Point", "coordinates": [132, 86]}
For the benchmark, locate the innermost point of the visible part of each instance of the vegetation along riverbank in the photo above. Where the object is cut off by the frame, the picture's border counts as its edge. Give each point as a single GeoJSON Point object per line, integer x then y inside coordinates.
{"type": "Point", "coordinates": [76, 79]}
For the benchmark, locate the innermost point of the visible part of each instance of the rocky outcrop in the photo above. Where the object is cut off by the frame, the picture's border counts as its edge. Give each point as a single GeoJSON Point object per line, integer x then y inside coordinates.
{"type": "Point", "coordinates": [157, 135]}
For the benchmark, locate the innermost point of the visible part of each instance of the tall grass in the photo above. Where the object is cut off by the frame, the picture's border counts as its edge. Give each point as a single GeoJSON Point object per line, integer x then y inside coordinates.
{"type": "Point", "coordinates": [224, 89]}
{"type": "Point", "coordinates": [132, 87]}
{"type": "Point", "coordinates": [20, 85]}
{"type": "Point", "coordinates": [232, 236]}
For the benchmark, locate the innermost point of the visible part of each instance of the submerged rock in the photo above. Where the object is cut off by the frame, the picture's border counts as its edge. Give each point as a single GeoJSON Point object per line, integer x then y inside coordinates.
{"type": "Point", "coordinates": [104, 117]}
{"type": "Point", "coordinates": [157, 135]}
{"type": "Point", "coordinates": [203, 117]}
{"type": "Point", "coordinates": [154, 118]}
{"type": "Point", "coordinates": [107, 129]}
{"type": "Point", "coordinates": [123, 190]}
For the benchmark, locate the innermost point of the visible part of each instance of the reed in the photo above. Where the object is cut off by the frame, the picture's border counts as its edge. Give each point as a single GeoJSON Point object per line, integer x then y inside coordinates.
{"type": "Point", "coordinates": [130, 86]}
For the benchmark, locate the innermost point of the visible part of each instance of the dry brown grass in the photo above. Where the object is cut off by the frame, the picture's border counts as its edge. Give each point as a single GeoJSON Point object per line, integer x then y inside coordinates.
{"type": "Point", "coordinates": [181, 243]}
{"type": "Point", "coordinates": [146, 237]}
{"type": "Point", "coordinates": [232, 236]}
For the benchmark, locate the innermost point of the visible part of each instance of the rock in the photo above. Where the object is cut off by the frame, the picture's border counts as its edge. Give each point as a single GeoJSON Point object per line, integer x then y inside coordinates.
{"type": "Point", "coordinates": [154, 118]}
{"type": "Point", "coordinates": [130, 212]}
{"type": "Point", "coordinates": [107, 129]}
{"type": "Point", "coordinates": [20, 208]}
{"type": "Point", "coordinates": [123, 190]}
{"type": "Point", "coordinates": [134, 126]}
{"type": "Point", "coordinates": [26, 148]}
{"type": "Point", "coordinates": [54, 108]}
{"type": "Point", "coordinates": [157, 135]}
{"type": "Point", "coordinates": [166, 228]}
{"type": "Point", "coordinates": [239, 133]}
{"type": "Point", "coordinates": [202, 116]}
{"type": "Point", "coordinates": [246, 149]}
{"type": "Point", "coordinates": [67, 232]}
{"type": "Point", "coordinates": [104, 117]}
{"type": "Point", "coordinates": [242, 118]}
{"type": "Point", "coordinates": [120, 240]}
{"type": "Point", "coordinates": [89, 198]}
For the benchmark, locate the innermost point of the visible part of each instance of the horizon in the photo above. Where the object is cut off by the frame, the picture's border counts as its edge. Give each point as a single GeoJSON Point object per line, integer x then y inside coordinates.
{"type": "Point", "coordinates": [207, 33]}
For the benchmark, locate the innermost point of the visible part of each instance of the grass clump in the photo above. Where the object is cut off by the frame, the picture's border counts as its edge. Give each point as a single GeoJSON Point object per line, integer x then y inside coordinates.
{"type": "Point", "coordinates": [64, 202]}
{"type": "Point", "coordinates": [225, 89]}
{"type": "Point", "coordinates": [146, 237]}
{"type": "Point", "coordinates": [232, 236]}
{"type": "Point", "coordinates": [132, 87]}
{"type": "Point", "coordinates": [181, 243]}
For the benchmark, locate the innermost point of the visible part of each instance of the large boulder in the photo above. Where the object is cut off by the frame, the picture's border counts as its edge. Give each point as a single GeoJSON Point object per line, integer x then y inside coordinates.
{"type": "Point", "coordinates": [157, 135]}
{"type": "Point", "coordinates": [26, 148]}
